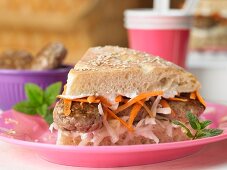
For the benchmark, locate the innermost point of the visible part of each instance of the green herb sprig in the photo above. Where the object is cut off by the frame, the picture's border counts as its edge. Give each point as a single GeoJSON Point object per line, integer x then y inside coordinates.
{"type": "Point", "coordinates": [200, 127]}
{"type": "Point", "coordinates": [39, 101]}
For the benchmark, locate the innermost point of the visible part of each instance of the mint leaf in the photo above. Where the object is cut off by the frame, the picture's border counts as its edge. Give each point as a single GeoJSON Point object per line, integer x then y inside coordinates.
{"type": "Point", "coordinates": [194, 121]}
{"type": "Point", "coordinates": [199, 127]}
{"type": "Point", "coordinates": [205, 123]}
{"type": "Point", "coordinates": [49, 116]}
{"type": "Point", "coordinates": [25, 107]}
{"type": "Point", "coordinates": [209, 133]}
{"type": "Point", "coordinates": [39, 101]}
{"type": "Point", "coordinates": [42, 110]}
{"type": "Point", "coordinates": [188, 132]}
{"type": "Point", "coordinates": [34, 94]}
{"type": "Point", "coordinates": [51, 92]}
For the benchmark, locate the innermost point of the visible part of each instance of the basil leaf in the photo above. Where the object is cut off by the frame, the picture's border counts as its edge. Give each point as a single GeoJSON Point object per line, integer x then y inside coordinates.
{"type": "Point", "coordinates": [34, 94]}
{"type": "Point", "coordinates": [205, 123]}
{"type": "Point", "coordinates": [42, 110]}
{"type": "Point", "coordinates": [51, 92]}
{"type": "Point", "coordinates": [25, 107]}
{"type": "Point", "coordinates": [194, 121]}
{"type": "Point", "coordinates": [188, 132]}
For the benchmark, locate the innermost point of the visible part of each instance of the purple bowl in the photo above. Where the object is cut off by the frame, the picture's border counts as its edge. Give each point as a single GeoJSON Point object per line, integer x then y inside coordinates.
{"type": "Point", "coordinates": [12, 83]}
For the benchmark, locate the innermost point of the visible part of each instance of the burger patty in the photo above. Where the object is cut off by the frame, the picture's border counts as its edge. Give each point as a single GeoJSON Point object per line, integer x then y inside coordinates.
{"type": "Point", "coordinates": [181, 108]}
{"type": "Point", "coordinates": [83, 117]}
{"type": "Point", "coordinates": [86, 117]}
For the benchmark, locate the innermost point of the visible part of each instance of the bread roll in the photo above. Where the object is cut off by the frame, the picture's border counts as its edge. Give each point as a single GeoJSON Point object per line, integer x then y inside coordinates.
{"type": "Point", "coordinates": [113, 71]}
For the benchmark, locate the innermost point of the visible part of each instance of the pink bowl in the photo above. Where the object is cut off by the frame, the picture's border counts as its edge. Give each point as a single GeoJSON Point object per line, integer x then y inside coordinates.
{"type": "Point", "coordinates": [12, 83]}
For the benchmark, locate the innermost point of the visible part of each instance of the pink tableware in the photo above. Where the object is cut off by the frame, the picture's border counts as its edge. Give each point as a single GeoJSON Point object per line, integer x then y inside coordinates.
{"type": "Point", "coordinates": [31, 132]}
{"type": "Point", "coordinates": [159, 34]}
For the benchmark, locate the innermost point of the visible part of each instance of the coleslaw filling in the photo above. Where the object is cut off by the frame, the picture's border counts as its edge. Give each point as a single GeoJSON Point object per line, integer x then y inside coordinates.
{"type": "Point", "coordinates": [113, 129]}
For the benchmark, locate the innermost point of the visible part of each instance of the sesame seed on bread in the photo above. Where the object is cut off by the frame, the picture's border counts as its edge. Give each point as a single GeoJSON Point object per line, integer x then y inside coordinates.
{"type": "Point", "coordinates": [112, 70]}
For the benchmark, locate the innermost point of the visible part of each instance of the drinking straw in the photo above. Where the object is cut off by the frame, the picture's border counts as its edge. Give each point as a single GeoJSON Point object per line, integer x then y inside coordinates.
{"type": "Point", "coordinates": [161, 6]}
{"type": "Point", "coordinates": [189, 7]}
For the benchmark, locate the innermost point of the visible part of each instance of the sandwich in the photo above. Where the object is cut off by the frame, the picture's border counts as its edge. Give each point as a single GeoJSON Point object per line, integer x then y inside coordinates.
{"type": "Point", "coordinates": [120, 96]}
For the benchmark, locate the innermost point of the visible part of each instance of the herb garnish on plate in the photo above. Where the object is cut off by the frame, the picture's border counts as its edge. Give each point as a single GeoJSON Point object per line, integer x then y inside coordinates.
{"type": "Point", "coordinates": [200, 127]}
{"type": "Point", "coordinates": [39, 101]}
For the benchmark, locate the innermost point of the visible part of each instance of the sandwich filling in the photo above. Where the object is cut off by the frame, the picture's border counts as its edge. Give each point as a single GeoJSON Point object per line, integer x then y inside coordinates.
{"type": "Point", "coordinates": [117, 96]}
{"type": "Point", "coordinates": [93, 121]}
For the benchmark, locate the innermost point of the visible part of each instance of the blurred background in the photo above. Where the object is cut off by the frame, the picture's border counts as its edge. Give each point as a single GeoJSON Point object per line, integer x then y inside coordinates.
{"type": "Point", "coordinates": [80, 24]}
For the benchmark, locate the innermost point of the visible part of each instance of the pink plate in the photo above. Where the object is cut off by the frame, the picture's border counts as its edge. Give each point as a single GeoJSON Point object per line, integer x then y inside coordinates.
{"type": "Point", "coordinates": [32, 132]}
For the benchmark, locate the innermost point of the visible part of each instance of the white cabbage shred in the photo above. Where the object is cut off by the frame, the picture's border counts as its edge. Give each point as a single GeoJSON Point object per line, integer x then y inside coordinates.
{"type": "Point", "coordinates": [51, 128]}
{"type": "Point", "coordinates": [166, 110]}
{"type": "Point", "coordinates": [113, 129]}
{"type": "Point", "coordinates": [155, 105]}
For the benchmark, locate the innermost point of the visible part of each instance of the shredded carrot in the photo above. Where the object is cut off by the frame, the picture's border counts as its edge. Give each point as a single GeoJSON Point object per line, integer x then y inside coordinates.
{"type": "Point", "coordinates": [135, 109]}
{"type": "Point", "coordinates": [199, 97]}
{"type": "Point", "coordinates": [91, 99]}
{"type": "Point", "coordinates": [192, 96]}
{"type": "Point", "coordinates": [104, 101]}
{"type": "Point", "coordinates": [67, 107]}
{"type": "Point", "coordinates": [119, 99]}
{"type": "Point", "coordinates": [146, 108]}
{"type": "Point", "coordinates": [165, 104]}
{"type": "Point", "coordinates": [178, 99]}
{"type": "Point", "coordinates": [111, 113]}
{"type": "Point", "coordinates": [138, 98]}
{"type": "Point", "coordinates": [86, 101]}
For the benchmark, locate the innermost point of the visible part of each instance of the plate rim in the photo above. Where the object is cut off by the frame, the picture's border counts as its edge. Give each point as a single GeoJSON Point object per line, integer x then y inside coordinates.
{"type": "Point", "coordinates": [121, 148]}
{"type": "Point", "coordinates": [117, 149]}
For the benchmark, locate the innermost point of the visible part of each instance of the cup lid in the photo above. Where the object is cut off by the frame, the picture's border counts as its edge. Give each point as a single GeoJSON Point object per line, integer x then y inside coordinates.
{"type": "Point", "coordinates": [149, 19]}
